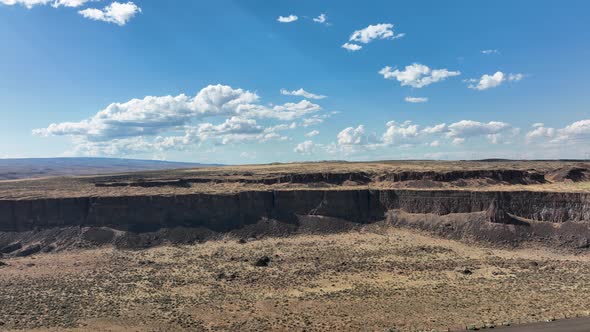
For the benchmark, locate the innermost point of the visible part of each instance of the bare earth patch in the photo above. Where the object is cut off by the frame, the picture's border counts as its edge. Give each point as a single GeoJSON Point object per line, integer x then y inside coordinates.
{"type": "Point", "coordinates": [374, 279]}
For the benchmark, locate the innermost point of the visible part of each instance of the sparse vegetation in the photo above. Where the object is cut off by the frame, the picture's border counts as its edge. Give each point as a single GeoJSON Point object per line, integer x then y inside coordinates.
{"type": "Point", "coordinates": [360, 280]}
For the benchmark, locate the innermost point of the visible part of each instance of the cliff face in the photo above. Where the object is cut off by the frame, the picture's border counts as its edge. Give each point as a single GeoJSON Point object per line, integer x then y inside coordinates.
{"type": "Point", "coordinates": [508, 176]}
{"type": "Point", "coordinates": [224, 212]}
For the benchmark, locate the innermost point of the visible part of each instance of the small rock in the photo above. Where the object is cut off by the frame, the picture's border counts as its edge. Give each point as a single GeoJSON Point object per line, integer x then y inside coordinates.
{"type": "Point", "coordinates": [262, 261]}
{"type": "Point", "coordinates": [3, 264]}
{"type": "Point", "coordinates": [223, 276]}
{"type": "Point", "coordinates": [242, 241]}
{"type": "Point", "coordinates": [147, 262]}
{"type": "Point", "coordinates": [466, 271]}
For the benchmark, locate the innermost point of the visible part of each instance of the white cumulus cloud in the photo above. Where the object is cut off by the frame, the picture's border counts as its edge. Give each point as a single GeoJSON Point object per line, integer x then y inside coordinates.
{"type": "Point", "coordinates": [117, 13]}
{"type": "Point", "coordinates": [468, 129]}
{"type": "Point", "coordinates": [436, 129]}
{"type": "Point", "coordinates": [352, 47]}
{"type": "Point", "coordinates": [488, 81]}
{"type": "Point", "coordinates": [491, 81]}
{"type": "Point", "coordinates": [376, 31]}
{"type": "Point", "coordinates": [370, 33]}
{"type": "Point", "coordinates": [417, 75]}
{"type": "Point", "coordinates": [576, 132]}
{"type": "Point", "coordinates": [305, 147]}
{"type": "Point", "coordinates": [352, 136]}
{"type": "Point", "coordinates": [287, 19]}
{"type": "Point", "coordinates": [176, 122]}
{"type": "Point", "coordinates": [401, 133]}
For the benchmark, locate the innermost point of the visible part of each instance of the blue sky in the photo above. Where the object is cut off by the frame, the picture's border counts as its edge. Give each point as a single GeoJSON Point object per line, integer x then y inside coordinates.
{"type": "Point", "coordinates": [75, 74]}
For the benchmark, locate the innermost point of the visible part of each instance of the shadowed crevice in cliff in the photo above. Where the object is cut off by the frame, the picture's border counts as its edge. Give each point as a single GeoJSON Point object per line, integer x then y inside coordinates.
{"type": "Point", "coordinates": [497, 213]}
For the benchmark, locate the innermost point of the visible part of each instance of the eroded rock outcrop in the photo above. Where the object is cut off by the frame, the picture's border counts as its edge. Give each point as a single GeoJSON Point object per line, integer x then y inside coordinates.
{"type": "Point", "coordinates": [569, 174]}
{"type": "Point", "coordinates": [142, 221]}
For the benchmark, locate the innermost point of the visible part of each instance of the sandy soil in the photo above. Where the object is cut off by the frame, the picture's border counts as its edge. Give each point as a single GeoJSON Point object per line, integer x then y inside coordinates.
{"type": "Point", "coordinates": [376, 279]}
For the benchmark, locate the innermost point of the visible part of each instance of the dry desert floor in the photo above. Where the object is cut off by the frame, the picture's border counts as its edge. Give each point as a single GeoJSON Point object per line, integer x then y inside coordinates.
{"type": "Point", "coordinates": [377, 279]}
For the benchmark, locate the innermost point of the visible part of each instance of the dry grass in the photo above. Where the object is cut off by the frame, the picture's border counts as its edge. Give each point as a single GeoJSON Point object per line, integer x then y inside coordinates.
{"type": "Point", "coordinates": [228, 177]}
{"type": "Point", "coordinates": [371, 280]}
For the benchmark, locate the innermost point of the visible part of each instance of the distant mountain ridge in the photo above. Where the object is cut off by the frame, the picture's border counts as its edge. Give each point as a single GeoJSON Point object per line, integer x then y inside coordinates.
{"type": "Point", "coordinates": [22, 168]}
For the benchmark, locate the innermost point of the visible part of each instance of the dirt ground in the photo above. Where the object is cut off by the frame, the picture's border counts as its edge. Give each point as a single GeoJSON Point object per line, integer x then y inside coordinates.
{"type": "Point", "coordinates": [377, 279]}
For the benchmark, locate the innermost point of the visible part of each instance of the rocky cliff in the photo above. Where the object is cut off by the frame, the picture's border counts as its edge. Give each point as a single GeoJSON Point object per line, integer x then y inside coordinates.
{"type": "Point", "coordinates": [224, 212]}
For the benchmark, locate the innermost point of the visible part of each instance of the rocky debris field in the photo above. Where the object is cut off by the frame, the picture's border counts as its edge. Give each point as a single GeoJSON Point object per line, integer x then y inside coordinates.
{"type": "Point", "coordinates": [376, 278]}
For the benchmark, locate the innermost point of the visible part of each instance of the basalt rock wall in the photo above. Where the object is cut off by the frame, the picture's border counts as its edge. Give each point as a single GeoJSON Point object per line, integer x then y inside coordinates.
{"type": "Point", "coordinates": [224, 212]}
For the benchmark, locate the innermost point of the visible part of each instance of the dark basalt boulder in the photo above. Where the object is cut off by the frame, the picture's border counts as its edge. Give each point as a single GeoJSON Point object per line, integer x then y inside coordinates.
{"type": "Point", "coordinates": [263, 261]}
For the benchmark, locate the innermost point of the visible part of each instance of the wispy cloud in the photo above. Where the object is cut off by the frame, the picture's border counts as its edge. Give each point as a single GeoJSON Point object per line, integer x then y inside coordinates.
{"type": "Point", "coordinates": [302, 93]}
{"type": "Point", "coordinates": [489, 52]}
{"type": "Point", "coordinates": [322, 19]}
{"type": "Point", "coordinates": [312, 133]}
{"type": "Point", "coordinates": [415, 100]}
{"type": "Point", "coordinates": [55, 3]}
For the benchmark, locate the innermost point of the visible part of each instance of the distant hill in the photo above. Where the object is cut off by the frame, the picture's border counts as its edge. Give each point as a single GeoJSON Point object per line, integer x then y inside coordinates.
{"type": "Point", "coordinates": [12, 169]}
